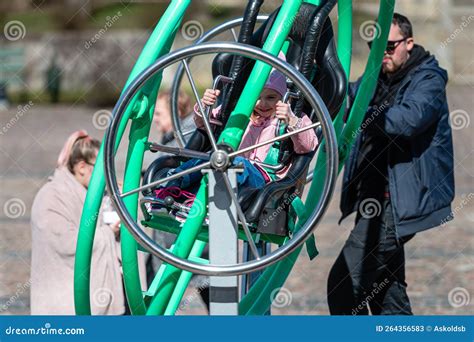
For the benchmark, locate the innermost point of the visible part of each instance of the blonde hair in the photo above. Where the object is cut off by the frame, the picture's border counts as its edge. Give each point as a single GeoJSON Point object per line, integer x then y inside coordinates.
{"type": "Point", "coordinates": [79, 146]}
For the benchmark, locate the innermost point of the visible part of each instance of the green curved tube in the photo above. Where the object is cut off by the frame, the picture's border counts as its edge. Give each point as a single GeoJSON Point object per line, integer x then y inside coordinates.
{"type": "Point", "coordinates": [257, 300]}
{"type": "Point", "coordinates": [183, 281]}
{"type": "Point", "coordinates": [260, 296]}
{"type": "Point", "coordinates": [239, 118]}
{"type": "Point", "coordinates": [344, 50]}
{"type": "Point", "coordinates": [182, 248]}
{"type": "Point", "coordinates": [232, 135]}
{"type": "Point", "coordinates": [138, 136]}
{"type": "Point", "coordinates": [158, 44]}
{"type": "Point", "coordinates": [86, 234]}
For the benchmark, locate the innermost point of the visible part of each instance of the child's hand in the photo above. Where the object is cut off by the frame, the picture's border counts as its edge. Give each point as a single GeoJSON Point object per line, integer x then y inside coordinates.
{"type": "Point", "coordinates": [210, 96]}
{"type": "Point", "coordinates": [283, 112]}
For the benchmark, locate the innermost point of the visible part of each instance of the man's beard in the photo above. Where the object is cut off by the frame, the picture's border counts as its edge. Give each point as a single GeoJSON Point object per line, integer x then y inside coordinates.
{"type": "Point", "coordinates": [393, 68]}
{"type": "Point", "coordinates": [389, 67]}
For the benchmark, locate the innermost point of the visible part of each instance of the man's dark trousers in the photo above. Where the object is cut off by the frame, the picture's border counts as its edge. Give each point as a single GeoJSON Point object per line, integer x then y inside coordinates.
{"type": "Point", "coordinates": [370, 270]}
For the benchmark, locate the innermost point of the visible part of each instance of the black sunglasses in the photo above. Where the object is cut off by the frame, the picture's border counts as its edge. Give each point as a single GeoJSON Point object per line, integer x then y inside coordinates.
{"type": "Point", "coordinates": [391, 45]}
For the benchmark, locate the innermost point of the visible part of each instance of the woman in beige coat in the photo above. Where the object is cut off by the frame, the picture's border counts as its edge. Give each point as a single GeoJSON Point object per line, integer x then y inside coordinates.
{"type": "Point", "coordinates": [55, 219]}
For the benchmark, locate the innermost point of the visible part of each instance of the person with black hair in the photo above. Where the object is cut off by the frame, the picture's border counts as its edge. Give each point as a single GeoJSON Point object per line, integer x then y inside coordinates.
{"type": "Point", "coordinates": [398, 177]}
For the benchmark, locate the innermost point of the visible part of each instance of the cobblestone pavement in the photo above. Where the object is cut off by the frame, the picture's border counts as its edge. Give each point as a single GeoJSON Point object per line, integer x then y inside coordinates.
{"type": "Point", "coordinates": [440, 262]}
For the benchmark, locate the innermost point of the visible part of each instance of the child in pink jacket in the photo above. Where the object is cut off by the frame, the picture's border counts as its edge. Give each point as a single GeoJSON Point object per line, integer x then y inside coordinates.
{"type": "Point", "coordinates": [264, 119]}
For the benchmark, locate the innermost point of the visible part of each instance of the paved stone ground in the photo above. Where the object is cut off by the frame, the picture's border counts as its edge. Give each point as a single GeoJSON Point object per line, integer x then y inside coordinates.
{"type": "Point", "coordinates": [440, 262]}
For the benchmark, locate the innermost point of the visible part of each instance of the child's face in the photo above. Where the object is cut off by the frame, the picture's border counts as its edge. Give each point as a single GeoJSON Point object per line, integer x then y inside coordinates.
{"type": "Point", "coordinates": [266, 104]}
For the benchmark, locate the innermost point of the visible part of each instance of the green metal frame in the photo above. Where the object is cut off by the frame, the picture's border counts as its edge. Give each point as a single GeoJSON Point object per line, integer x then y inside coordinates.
{"type": "Point", "coordinates": [167, 289]}
{"type": "Point", "coordinates": [158, 44]}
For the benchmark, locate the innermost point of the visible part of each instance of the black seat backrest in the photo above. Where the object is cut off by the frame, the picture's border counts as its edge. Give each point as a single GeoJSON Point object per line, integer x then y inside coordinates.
{"type": "Point", "coordinates": [311, 31]}
{"type": "Point", "coordinates": [329, 80]}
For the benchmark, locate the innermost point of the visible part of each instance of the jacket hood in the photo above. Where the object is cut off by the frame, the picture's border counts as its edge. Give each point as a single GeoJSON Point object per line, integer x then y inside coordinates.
{"type": "Point", "coordinates": [431, 64]}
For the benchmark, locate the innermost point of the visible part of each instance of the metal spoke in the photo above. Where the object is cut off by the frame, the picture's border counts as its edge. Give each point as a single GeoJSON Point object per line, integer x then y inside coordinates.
{"type": "Point", "coordinates": [114, 134]}
{"type": "Point", "coordinates": [276, 167]}
{"type": "Point", "coordinates": [179, 152]}
{"type": "Point", "coordinates": [241, 216]}
{"type": "Point", "coordinates": [229, 25]}
{"type": "Point", "coordinates": [245, 278]}
{"type": "Point", "coordinates": [201, 108]}
{"type": "Point", "coordinates": [167, 179]}
{"type": "Point", "coordinates": [234, 34]}
{"type": "Point", "coordinates": [281, 137]}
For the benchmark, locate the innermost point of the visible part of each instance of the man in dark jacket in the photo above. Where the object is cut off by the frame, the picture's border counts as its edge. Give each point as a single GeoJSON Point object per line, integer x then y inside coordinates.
{"type": "Point", "coordinates": [398, 177]}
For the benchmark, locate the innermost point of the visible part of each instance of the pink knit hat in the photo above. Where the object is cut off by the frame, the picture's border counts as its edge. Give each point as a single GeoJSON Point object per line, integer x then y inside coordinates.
{"type": "Point", "coordinates": [277, 81]}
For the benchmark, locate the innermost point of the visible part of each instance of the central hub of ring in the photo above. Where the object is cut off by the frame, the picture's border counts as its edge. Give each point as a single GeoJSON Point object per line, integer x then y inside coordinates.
{"type": "Point", "coordinates": [220, 160]}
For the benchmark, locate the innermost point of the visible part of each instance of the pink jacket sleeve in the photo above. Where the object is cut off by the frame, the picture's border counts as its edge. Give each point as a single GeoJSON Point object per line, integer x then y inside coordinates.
{"type": "Point", "coordinates": [306, 141]}
{"type": "Point", "coordinates": [198, 120]}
